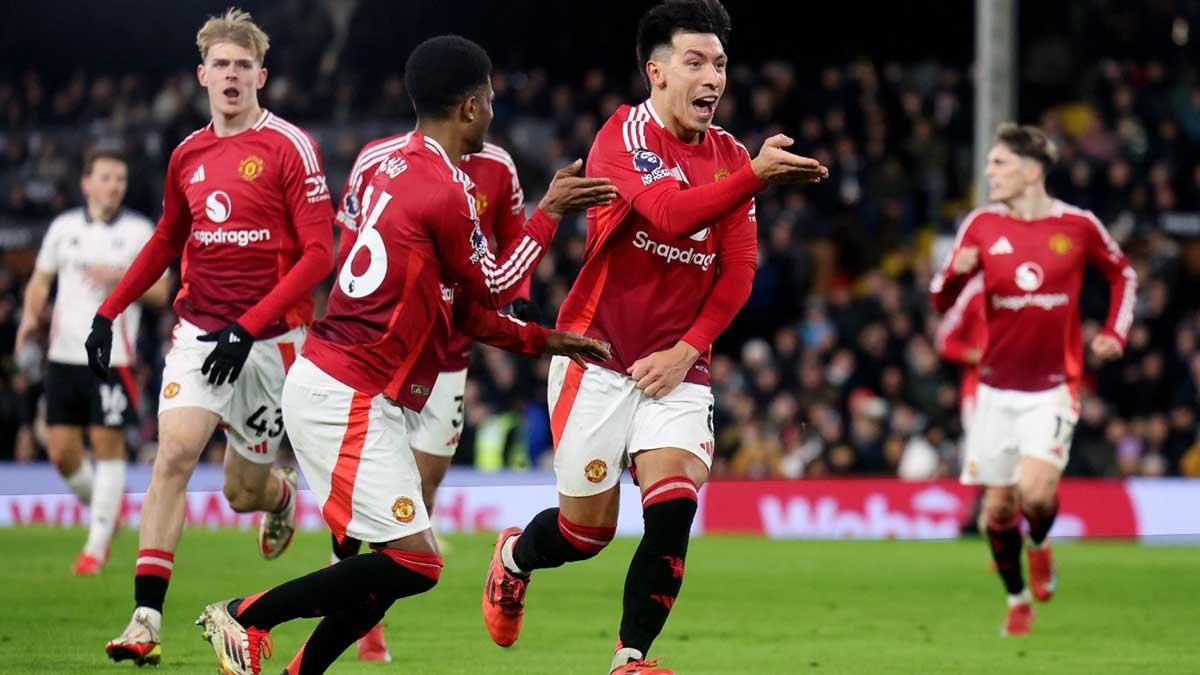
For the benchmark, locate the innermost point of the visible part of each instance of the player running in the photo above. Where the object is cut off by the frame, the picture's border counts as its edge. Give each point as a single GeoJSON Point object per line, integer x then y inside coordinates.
{"type": "Point", "coordinates": [434, 423]}
{"type": "Point", "coordinates": [667, 266]}
{"type": "Point", "coordinates": [419, 230]}
{"type": "Point", "coordinates": [1032, 250]}
{"type": "Point", "coordinates": [88, 249]}
{"type": "Point", "coordinates": [246, 206]}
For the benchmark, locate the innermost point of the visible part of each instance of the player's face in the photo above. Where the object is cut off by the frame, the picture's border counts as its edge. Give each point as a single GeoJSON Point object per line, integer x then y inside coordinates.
{"type": "Point", "coordinates": [1008, 174]}
{"type": "Point", "coordinates": [232, 75]}
{"type": "Point", "coordinates": [694, 79]}
{"type": "Point", "coordinates": [477, 112]}
{"type": "Point", "coordinates": [105, 186]}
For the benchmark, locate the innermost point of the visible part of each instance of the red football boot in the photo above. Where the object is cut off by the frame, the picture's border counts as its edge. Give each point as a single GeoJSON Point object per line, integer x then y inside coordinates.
{"type": "Point", "coordinates": [503, 596]}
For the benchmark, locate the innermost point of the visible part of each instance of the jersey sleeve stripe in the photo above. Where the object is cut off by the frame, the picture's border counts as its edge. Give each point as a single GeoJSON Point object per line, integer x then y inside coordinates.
{"type": "Point", "coordinates": [516, 274]}
{"type": "Point", "coordinates": [490, 260]}
{"type": "Point", "coordinates": [372, 157]}
{"type": "Point", "coordinates": [953, 318]}
{"type": "Point", "coordinates": [303, 145]}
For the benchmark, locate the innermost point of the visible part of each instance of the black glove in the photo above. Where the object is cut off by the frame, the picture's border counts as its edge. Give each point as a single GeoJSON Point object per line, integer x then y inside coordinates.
{"type": "Point", "coordinates": [526, 311]}
{"type": "Point", "coordinates": [99, 346]}
{"type": "Point", "coordinates": [228, 357]}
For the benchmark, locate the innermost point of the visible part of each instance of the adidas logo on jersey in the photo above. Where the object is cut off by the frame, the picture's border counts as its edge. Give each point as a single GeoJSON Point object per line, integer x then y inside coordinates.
{"type": "Point", "coordinates": [197, 177]}
{"type": "Point", "coordinates": [1001, 247]}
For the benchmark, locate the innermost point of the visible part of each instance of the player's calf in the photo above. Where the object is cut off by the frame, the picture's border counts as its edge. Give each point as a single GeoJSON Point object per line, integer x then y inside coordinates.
{"type": "Point", "coordinates": [656, 571]}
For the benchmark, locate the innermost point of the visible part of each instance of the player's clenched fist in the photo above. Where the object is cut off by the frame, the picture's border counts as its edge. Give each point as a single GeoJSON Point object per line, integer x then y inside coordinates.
{"type": "Point", "coordinates": [576, 347]}
{"type": "Point", "coordinates": [1107, 347]}
{"type": "Point", "coordinates": [776, 166]}
{"type": "Point", "coordinates": [569, 193]}
{"type": "Point", "coordinates": [966, 260]}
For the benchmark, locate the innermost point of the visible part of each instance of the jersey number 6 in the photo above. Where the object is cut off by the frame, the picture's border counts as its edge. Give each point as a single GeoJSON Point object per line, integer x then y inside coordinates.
{"type": "Point", "coordinates": [362, 285]}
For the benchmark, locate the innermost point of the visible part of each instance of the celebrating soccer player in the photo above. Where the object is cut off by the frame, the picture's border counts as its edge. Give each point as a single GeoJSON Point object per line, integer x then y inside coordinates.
{"type": "Point", "coordinates": [418, 228]}
{"type": "Point", "coordinates": [667, 266]}
{"type": "Point", "coordinates": [434, 426]}
{"type": "Point", "coordinates": [1032, 250]}
{"type": "Point", "coordinates": [247, 207]}
{"type": "Point", "coordinates": [88, 249]}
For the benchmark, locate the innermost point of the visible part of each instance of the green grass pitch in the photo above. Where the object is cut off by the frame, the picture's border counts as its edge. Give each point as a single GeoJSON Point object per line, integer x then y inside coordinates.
{"type": "Point", "coordinates": [748, 606]}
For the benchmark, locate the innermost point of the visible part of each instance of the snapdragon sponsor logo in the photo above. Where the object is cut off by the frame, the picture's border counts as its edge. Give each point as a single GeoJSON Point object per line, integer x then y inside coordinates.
{"type": "Point", "coordinates": [689, 256]}
{"type": "Point", "coordinates": [1045, 301]}
{"type": "Point", "coordinates": [239, 237]}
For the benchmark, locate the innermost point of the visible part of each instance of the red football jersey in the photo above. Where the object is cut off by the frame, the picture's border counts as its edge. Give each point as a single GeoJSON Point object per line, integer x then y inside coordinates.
{"type": "Point", "coordinates": [250, 214]}
{"type": "Point", "coordinates": [499, 203]}
{"type": "Point", "coordinates": [1032, 272]}
{"type": "Point", "coordinates": [419, 239]}
{"type": "Point", "coordinates": [964, 327]}
{"type": "Point", "coordinates": [640, 288]}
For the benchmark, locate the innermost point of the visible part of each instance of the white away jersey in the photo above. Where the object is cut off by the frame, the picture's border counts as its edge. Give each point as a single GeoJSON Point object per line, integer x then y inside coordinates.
{"type": "Point", "coordinates": [74, 243]}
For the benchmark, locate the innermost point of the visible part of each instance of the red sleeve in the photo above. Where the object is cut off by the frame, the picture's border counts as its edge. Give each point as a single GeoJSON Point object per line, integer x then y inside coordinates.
{"type": "Point", "coordinates": [498, 330]}
{"type": "Point", "coordinates": [1104, 253]}
{"type": "Point", "coordinates": [510, 216]}
{"type": "Point", "coordinates": [963, 327]}
{"type": "Point", "coordinates": [647, 184]}
{"type": "Point", "coordinates": [947, 284]}
{"type": "Point", "coordinates": [737, 259]}
{"type": "Point", "coordinates": [166, 244]}
{"type": "Point", "coordinates": [465, 254]}
{"type": "Point", "coordinates": [312, 215]}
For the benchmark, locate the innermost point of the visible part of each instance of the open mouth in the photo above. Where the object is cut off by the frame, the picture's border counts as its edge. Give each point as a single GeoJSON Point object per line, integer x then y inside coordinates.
{"type": "Point", "coordinates": [232, 94]}
{"type": "Point", "coordinates": [705, 106]}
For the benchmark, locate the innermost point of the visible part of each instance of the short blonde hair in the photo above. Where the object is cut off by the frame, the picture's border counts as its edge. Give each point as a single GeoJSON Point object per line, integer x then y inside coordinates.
{"type": "Point", "coordinates": [236, 26]}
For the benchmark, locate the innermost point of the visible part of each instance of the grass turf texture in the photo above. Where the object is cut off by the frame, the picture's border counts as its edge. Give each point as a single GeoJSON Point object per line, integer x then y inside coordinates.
{"type": "Point", "coordinates": [748, 606]}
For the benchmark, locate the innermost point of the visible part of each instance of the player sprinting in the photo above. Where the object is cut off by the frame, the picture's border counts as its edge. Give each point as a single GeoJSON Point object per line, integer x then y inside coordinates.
{"type": "Point", "coordinates": [434, 424]}
{"type": "Point", "coordinates": [88, 249]}
{"type": "Point", "coordinates": [1032, 250]}
{"type": "Point", "coordinates": [247, 208]}
{"type": "Point", "coordinates": [961, 339]}
{"type": "Point", "coordinates": [667, 266]}
{"type": "Point", "coordinates": [419, 230]}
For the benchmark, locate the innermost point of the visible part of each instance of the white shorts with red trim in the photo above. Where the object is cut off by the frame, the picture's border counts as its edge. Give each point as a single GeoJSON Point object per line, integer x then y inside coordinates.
{"type": "Point", "coordinates": [437, 428]}
{"type": "Point", "coordinates": [249, 408]}
{"type": "Point", "coordinates": [1009, 425]}
{"type": "Point", "coordinates": [600, 419]}
{"type": "Point", "coordinates": [354, 452]}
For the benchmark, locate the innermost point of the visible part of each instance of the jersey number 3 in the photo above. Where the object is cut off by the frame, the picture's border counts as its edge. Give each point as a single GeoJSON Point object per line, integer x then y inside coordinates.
{"type": "Point", "coordinates": [362, 285]}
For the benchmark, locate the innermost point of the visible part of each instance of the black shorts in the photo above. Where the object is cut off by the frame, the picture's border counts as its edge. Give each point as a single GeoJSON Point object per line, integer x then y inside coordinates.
{"type": "Point", "coordinates": [76, 397]}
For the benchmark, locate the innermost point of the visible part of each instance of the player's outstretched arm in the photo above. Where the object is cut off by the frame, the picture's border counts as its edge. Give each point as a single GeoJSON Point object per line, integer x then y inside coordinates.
{"type": "Point", "coordinates": [677, 213]}
{"type": "Point", "coordinates": [519, 337]}
{"type": "Point", "coordinates": [495, 281]}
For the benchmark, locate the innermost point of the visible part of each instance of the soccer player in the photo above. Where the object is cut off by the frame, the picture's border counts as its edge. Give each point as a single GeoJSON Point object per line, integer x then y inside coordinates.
{"type": "Point", "coordinates": [419, 229]}
{"type": "Point", "coordinates": [961, 338]}
{"type": "Point", "coordinates": [434, 425]}
{"type": "Point", "coordinates": [246, 206]}
{"type": "Point", "coordinates": [667, 266]}
{"type": "Point", "coordinates": [1032, 250]}
{"type": "Point", "coordinates": [88, 249]}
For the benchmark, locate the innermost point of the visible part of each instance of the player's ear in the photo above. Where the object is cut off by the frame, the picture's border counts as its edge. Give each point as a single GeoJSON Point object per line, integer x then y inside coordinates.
{"type": "Point", "coordinates": [655, 74]}
{"type": "Point", "coordinates": [469, 110]}
{"type": "Point", "coordinates": [262, 77]}
{"type": "Point", "coordinates": [202, 75]}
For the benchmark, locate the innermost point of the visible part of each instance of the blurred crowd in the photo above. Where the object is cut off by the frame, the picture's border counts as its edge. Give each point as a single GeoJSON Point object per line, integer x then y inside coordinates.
{"type": "Point", "coordinates": [831, 368]}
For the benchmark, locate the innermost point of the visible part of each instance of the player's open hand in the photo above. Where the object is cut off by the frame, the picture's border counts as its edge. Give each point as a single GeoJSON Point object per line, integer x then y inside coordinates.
{"type": "Point", "coordinates": [659, 373]}
{"type": "Point", "coordinates": [1107, 348]}
{"type": "Point", "coordinates": [99, 346]}
{"type": "Point", "coordinates": [576, 347]}
{"type": "Point", "coordinates": [966, 260]}
{"type": "Point", "coordinates": [227, 358]}
{"type": "Point", "coordinates": [570, 192]}
{"type": "Point", "coordinates": [776, 166]}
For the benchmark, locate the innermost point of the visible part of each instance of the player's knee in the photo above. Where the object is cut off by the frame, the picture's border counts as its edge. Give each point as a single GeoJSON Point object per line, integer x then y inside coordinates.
{"type": "Point", "coordinates": [585, 541]}
{"type": "Point", "coordinates": [1000, 512]}
{"type": "Point", "coordinates": [174, 461]}
{"type": "Point", "coordinates": [413, 573]}
{"type": "Point", "coordinates": [1038, 501]}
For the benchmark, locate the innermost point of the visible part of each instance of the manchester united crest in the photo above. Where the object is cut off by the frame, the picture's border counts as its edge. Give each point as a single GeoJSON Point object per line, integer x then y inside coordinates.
{"type": "Point", "coordinates": [403, 509]}
{"type": "Point", "coordinates": [720, 175]}
{"type": "Point", "coordinates": [251, 167]}
{"type": "Point", "coordinates": [1060, 243]}
{"type": "Point", "coordinates": [481, 204]}
{"type": "Point", "coordinates": [171, 390]}
{"type": "Point", "coordinates": [595, 471]}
